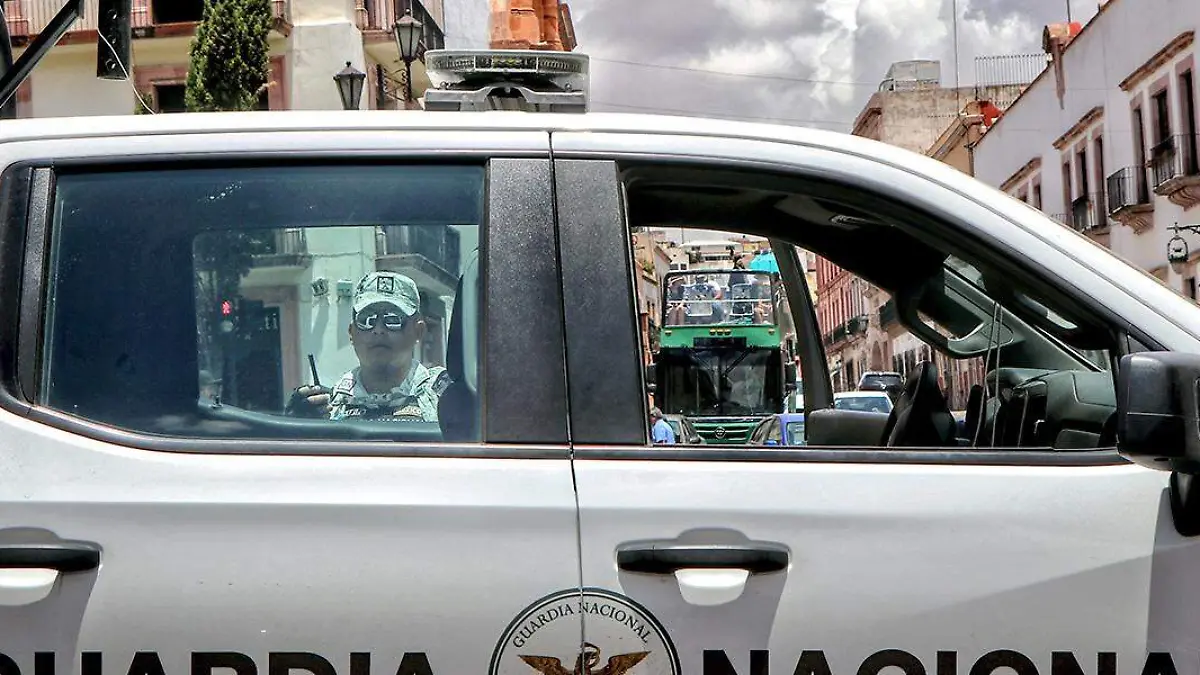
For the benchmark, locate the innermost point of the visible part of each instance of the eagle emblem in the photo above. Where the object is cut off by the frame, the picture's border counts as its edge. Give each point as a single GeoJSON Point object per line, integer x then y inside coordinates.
{"type": "Point", "coordinates": [586, 663]}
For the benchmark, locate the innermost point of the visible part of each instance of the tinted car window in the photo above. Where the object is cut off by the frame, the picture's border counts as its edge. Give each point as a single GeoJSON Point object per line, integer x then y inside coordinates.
{"type": "Point", "coordinates": [194, 302]}
{"type": "Point", "coordinates": [880, 381]}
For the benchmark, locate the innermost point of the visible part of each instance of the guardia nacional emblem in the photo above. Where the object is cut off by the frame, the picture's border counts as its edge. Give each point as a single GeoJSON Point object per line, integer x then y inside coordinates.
{"type": "Point", "coordinates": [620, 637]}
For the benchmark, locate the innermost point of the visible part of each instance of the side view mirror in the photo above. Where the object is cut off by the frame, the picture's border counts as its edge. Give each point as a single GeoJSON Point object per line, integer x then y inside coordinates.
{"type": "Point", "coordinates": [1158, 410]}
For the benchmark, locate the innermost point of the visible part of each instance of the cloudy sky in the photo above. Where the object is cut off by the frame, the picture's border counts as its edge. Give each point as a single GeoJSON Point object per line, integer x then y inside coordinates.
{"type": "Point", "coordinates": [806, 62]}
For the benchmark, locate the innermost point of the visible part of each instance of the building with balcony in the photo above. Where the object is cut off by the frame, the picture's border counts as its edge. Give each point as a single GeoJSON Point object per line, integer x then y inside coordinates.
{"type": "Point", "coordinates": [310, 40]}
{"type": "Point", "coordinates": [1105, 140]}
{"type": "Point", "coordinates": [651, 263]}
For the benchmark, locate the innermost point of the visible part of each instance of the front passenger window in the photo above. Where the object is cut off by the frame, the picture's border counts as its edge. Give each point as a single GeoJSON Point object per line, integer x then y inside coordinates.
{"type": "Point", "coordinates": [926, 347]}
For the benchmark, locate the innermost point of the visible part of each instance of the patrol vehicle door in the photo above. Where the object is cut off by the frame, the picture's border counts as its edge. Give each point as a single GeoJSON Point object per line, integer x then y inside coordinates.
{"type": "Point", "coordinates": [169, 506]}
{"type": "Point", "coordinates": [1013, 536]}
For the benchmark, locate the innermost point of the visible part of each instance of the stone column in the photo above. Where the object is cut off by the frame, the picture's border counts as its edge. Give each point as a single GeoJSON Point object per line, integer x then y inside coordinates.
{"type": "Point", "coordinates": [549, 23]}
{"type": "Point", "coordinates": [325, 35]}
{"type": "Point", "coordinates": [514, 24]}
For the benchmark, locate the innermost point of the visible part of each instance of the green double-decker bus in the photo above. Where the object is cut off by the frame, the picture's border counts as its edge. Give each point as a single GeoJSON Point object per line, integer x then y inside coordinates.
{"type": "Point", "coordinates": [720, 359]}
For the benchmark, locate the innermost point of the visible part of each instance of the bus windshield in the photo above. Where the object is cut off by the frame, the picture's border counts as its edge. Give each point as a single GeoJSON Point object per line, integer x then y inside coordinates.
{"type": "Point", "coordinates": [715, 382]}
{"type": "Point", "coordinates": [704, 298]}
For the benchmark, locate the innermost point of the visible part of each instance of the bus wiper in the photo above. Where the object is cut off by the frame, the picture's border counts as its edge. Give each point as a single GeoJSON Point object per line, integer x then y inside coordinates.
{"type": "Point", "coordinates": [721, 401]}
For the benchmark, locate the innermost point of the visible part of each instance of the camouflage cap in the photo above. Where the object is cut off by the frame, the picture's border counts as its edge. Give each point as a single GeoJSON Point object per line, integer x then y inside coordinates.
{"type": "Point", "coordinates": [395, 289]}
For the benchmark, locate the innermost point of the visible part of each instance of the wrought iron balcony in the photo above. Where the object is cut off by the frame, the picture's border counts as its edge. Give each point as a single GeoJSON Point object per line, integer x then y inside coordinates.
{"type": "Point", "coordinates": [1162, 161]}
{"type": "Point", "coordinates": [857, 325]}
{"type": "Point", "coordinates": [1176, 173]}
{"type": "Point", "coordinates": [27, 18]}
{"type": "Point", "coordinates": [1128, 198]}
{"type": "Point", "coordinates": [287, 247]}
{"type": "Point", "coordinates": [1087, 213]}
{"type": "Point", "coordinates": [437, 244]}
{"type": "Point", "coordinates": [887, 314]}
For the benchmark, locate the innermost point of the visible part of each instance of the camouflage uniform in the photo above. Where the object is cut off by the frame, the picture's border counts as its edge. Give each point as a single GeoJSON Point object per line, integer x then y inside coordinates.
{"type": "Point", "coordinates": [414, 400]}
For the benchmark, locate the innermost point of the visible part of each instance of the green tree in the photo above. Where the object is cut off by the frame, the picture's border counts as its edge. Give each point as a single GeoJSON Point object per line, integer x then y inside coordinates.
{"type": "Point", "coordinates": [230, 58]}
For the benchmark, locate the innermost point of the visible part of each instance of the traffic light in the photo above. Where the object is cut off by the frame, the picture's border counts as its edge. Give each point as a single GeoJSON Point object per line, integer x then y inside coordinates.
{"type": "Point", "coordinates": [114, 41]}
{"type": "Point", "coordinates": [227, 316]}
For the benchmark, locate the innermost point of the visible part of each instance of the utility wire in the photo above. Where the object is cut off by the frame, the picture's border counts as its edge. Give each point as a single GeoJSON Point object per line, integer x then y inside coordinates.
{"type": "Point", "coordinates": [775, 78]}
{"type": "Point", "coordinates": [933, 123]}
{"type": "Point", "coordinates": [128, 77]}
{"type": "Point", "coordinates": [725, 73]}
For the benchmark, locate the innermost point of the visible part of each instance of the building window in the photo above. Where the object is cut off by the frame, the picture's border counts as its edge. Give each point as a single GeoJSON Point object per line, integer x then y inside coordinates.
{"type": "Point", "coordinates": [1162, 117]}
{"type": "Point", "coordinates": [1139, 154]}
{"type": "Point", "coordinates": [169, 98]}
{"type": "Point", "coordinates": [178, 11]}
{"type": "Point", "coordinates": [1101, 208]}
{"type": "Point", "coordinates": [1066, 186]}
{"type": "Point", "coordinates": [1187, 92]}
{"type": "Point", "coordinates": [1081, 166]}
{"type": "Point", "coordinates": [1037, 195]}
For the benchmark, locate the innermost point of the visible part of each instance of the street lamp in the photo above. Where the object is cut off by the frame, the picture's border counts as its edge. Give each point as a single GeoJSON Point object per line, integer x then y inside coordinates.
{"type": "Point", "coordinates": [350, 86]}
{"type": "Point", "coordinates": [408, 36]}
{"type": "Point", "coordinates": [1177, 248]}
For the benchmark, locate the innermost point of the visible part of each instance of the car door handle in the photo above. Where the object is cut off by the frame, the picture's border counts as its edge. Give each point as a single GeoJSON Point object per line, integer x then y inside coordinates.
{"type": "Point", "coordinates": [668, 558]}
{"type": "Point", "coordinates": [63, 556]}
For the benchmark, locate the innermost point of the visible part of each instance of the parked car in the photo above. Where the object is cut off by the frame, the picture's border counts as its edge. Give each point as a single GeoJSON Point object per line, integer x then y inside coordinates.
{"type": "Point", "coordinates": [863, 401]}
{"type": "Point", "coordinates": [889, 381]}
{"type": "Point", "coordinates": [781, 429]}
{"type": "Point", "coordinates": [685, 431]}
{"type": "Point", "coordinates": [880, 380]}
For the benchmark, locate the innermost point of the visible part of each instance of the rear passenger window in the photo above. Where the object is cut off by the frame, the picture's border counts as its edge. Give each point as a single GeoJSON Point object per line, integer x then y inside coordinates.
{"type": "Point", "coordinates": [332, 302]}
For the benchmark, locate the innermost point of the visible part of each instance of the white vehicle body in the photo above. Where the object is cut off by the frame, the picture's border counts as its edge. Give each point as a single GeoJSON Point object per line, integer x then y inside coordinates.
{"type": "Point", "coordinates": [373, 558]}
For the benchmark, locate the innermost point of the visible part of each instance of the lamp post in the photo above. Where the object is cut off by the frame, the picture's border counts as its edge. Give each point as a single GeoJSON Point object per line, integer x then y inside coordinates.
{"type": "Point", "coordinates": [350, 86]}
{"type": "Point", "coordinates": [1177, 247]}
{"type": "Point", "coordinates": [408, 36]}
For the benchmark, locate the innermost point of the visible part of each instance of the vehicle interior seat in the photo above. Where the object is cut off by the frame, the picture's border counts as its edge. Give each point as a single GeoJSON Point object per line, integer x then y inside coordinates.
{"type": "Point", "coordinates": [921, 417]}
{"type": "Point", "coordinates": [458, 407]}
{"type": "Point", "coordinates": [974, 413]}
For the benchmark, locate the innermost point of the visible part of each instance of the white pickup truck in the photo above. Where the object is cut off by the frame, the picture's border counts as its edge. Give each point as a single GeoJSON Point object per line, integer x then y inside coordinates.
{"type": "Point", "coordinates": [148, 527]}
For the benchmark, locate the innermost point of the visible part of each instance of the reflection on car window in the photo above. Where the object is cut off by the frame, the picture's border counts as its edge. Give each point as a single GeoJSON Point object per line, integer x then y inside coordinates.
{"type": "Point", "coordinates": [335, 282]}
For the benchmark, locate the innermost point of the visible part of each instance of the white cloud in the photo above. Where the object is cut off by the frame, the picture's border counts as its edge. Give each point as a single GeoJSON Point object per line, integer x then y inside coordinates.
{"type": "Point", "coordinates": [814, 60]}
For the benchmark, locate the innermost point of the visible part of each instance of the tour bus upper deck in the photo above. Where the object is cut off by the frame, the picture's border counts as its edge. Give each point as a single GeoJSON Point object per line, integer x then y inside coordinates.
{"type": "Point", "coordinates": [720, 297]}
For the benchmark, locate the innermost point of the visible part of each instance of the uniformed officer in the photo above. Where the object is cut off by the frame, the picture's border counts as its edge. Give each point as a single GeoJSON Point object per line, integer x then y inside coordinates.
{"type": "Point", "coordinates": [390, 383]}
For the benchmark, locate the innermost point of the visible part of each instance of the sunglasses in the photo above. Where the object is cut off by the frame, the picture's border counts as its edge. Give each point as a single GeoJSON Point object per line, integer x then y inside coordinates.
{"type": "Point", "coordinates": [391, 321]}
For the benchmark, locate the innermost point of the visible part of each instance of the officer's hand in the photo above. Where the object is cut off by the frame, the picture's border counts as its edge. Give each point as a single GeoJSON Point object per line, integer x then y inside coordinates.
{"type": "Point", "coordinates": [309, 401]}
{"type": "Point", "coordinates": [318, 396]}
